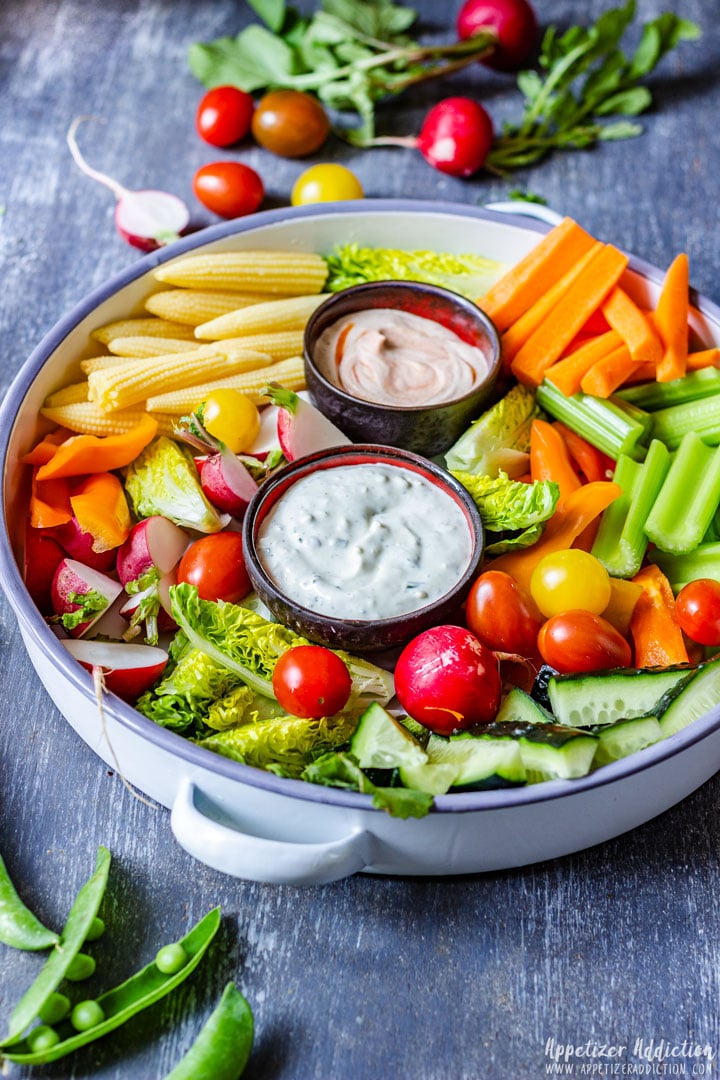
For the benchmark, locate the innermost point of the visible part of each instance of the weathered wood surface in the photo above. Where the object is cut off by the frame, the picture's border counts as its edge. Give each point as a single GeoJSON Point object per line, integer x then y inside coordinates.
{"type": "Point", "coordinates": [371, 977]}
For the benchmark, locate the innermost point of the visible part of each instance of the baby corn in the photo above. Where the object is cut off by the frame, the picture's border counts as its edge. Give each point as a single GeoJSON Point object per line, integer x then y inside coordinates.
{"type": "Point", "coordinates": [289, 373]}
{"type": "Point", "coordinates": [146, 326]}
{"type": "Point", "coordinates": [129, 383]}
{"type": "Point", "coordinates": [278, 346]}
{"type": "Point", "coordinates": [68, 395]}
{"type": "Point", "coordinates": [195, 306]}
{"type": "Point", "coordinates": [87, 418]}
{"type": "Point", "coordinates": [288, 273]}
{"type": "Point", "coordinates": [271, 317]}
{"type": "Point", "coordinates": [144, 345]}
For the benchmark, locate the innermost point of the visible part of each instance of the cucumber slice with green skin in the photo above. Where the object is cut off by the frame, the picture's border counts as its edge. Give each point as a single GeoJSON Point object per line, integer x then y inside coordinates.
{"type": "Point", "coordinates": [626, 737]}
{"type": "Point", "coordinates": [697, 696]}
{"type": "Point", "coordinates": [588, 699]}
{"type": "Point", "coordinates": [481, 761]}
{"type": "Point", "coordinates": [381, 742]}
{"type": "Point", "coordinates": [550, 751]}
{"type": "Point", "coordinates": [518, 707]}
{"type": "Point", "coordinates": [433, 779]}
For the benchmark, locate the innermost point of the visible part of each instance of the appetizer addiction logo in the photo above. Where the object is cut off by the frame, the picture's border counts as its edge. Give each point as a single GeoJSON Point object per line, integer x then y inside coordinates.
{"type": "Point", "coordinates": [640, 1057]}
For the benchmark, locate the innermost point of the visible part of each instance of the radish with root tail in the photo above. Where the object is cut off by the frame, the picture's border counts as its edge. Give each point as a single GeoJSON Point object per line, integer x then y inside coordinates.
{"type": "Point", "coordinates": [127, 670]}
{"type": "Point", "coordinates": [80, 595]}
{"type": "Point", "coordinates": [301, 428]}
{"type": "Point", "coordinates": [147, 219]}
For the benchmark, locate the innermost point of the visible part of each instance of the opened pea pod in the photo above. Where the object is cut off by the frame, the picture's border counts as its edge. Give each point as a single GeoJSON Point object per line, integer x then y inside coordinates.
{"type": "Point", "coordinates": [115, 1006]}
{"type": "Point", "coordinates": [19, 927]}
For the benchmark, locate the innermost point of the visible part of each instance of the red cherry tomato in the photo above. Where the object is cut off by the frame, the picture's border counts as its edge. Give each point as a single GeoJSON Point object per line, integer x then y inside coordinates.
{"type": "Point", "coordinates": [697, 609]}
{"type": "Point", "coordinates": [311, 681]}
{"type": "Point", "coordinates": [503, 614]}
{"type": "Point", "coordinates": [229, 188]}
{"type": "Point", "coordinates": [216, 565]}
{"type": "Point", "coordinates": [224, 115]}
{"type": "Point", "coordinates": [447, 680]}
{"type": "Point", "coordinates": [582, 641]}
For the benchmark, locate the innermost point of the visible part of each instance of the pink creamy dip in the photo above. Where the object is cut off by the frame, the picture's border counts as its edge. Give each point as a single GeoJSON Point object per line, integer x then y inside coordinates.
{"type": "Point", "coordinates": [393, 357]}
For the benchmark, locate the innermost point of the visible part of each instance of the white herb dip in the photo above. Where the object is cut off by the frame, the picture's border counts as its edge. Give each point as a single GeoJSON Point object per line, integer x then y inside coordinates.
{"type": "Point", "coordinates": [396, 358]}
{"type": "Point", "coordinates": [364, 541]}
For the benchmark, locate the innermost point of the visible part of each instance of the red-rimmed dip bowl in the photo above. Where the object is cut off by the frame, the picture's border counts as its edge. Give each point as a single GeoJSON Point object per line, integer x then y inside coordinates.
{"type": "Point", "coordinates": [362, 547]}
{"type": "Point", "coordinates": [404, 387]}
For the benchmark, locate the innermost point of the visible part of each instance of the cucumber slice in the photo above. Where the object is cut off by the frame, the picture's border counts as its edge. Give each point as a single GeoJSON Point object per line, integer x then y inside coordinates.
{"type": "Point", "coordinates": [697, 696]}
{"type": "Point", "coordinates": [519, 707]}
{"type": "Point", "coordinates": [626, 737]}
{"type": "Point", "coordinates": [381, 742]}
{"type": "Point", "coordinates": [481, 761]}
{"type": "Point", "coordinates": [588, 699]}
{"type": "Point", "coordinates": [550, 751]}
{"type": "Point", "coordinates": [432, 778]}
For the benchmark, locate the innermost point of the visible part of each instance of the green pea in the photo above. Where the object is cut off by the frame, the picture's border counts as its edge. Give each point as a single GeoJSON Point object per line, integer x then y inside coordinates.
{"type": "Point", "coordinates": [97, 929]}
{"type": "Point", "coordinates": [80, 967]}
{"type": "Point", "coordinates": [171, 958]}
{"type": "Point", "coordinates": [222, 1048]}
{"type": "Point", "coordinates": [55, 1009]}
{"type": "Point", "coordinates": [86, 1015]}
{"type": "Point", "coordinates": [42, 1038]}
{"type": "Point", "coordinates": [18, 926]}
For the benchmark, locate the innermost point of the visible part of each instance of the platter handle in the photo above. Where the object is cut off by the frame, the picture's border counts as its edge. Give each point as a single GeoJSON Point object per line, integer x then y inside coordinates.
{"type": "Point", "coordinates": [526, 209]}
{"type": "Point", "coordinates": [256, 858]}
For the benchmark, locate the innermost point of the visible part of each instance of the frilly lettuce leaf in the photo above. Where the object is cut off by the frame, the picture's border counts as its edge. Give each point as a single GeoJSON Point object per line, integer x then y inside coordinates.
{"type": "Point", "coordinates": [499, 440]}
{"type": "Point", "coordinates": [511, 506]}
{"type": "Point", "coordinates": [469, 275]}
{"type": "Point", "coordinates": [183, 697]}
{"type": "Point", "coordinates": [290, 742]}
{"type": "Point", "coordinates": [163, 480]}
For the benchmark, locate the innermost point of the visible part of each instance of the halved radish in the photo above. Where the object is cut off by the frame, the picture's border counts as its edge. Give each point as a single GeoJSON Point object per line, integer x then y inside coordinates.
{"type": "Point", "coordinates": [147, 607]}
{"type": "Point", "coordinates": [302, 429]}
{"type": "Point", "coordinates": [227, 482]}
{"type": "Point", "coordinates": [43, 555]}
{"type": "Point", "coordinates": [128, 670]}
{"type": "Point", "coordinates": [78, 544]}
{"type": "Point", "coordinates": [80, 595]}
{"type": "Point", "coordinates": [154, 542]}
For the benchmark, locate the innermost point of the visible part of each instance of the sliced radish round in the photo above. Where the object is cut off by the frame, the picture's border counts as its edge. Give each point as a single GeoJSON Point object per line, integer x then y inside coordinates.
{"type": "Point", "coordinates": [128, 670]}
{"type": "Point", "coordinates": [148, 219]}
{"type": "Point", "coordinates": [154, 542]}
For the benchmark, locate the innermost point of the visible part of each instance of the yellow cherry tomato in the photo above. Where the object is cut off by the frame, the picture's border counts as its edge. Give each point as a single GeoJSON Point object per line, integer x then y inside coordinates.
{"type": "Point", "coordinates": [232, 418]}
{"type": "Point", "coordinates": [567, 580]}
{"type": "Point", "coordinates": [325, 183]}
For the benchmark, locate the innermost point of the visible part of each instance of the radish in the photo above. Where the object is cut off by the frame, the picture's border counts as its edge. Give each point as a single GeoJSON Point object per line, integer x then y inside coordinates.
{"type": "Point", "coordinates": [43, 555]}
{"type": "Point", "coordinates": [78, 544]}
{"type": "Point", "coordinates": [227, 482]}
{"type": "Point", "coordinates": [267, 438]}
{"type": "Point", "coordinates": [512, 21]}
{"type": "Point", "coordinates": [146, 606]}
{"type": "Point", "coordinates": [80, 595]}
{"type": "Point", "coordinates": [128, 670]}
{"type": "Point", "coordinates": [146, 219]}
{"type": "Point", "coordinates": [456, 136]}
{"type": "Point", "coordinates": [447, 680]}
{"type": "Point", "coordinates": [302, 429]}
{"type": "Point", "coordinates": [156, 543]}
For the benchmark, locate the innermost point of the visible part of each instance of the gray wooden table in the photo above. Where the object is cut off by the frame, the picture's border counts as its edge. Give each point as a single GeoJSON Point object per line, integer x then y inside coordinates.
{"type": "Point", "coordinates": [370, 977]}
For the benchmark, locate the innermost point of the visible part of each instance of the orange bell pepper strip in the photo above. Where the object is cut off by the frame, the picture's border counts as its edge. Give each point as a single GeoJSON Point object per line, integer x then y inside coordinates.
{"type": "Point", "coordinates": [100, 507]}
{"type": "Point", "coordinates": [49, 503]}
{"type": "Point", "coordinates": [654, 627]}
{"type": "Point", "coordinates": [573, 515]}
{"type": "Point", "coordinates": [549, 458]}
{"type": "Point", "coordinates": [81, 455]}
{"type": "Point", "coordinates": [47, 447]}
{"type": "Point", "coordinates": [592, 463]}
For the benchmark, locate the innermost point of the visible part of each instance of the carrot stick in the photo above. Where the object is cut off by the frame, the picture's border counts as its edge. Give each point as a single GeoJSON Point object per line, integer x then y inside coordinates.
{"type": "Point", "coordinates": [524, 283]}
{"type": "Point", "coordinates": [573, 515]}
{"type": "Point", "coordinates": [83, 454]}
{"type": "Point", "coordinates": [704, 358]}
{"type": "Point", "coordinates": [671, 319]}
{"type": "Point", "coordinates": [633, 326]}
{"type": "Point", "coordinates": [101, 509]}
{"type": "Point", "coordinates": [549, 458]}
{"type": "Point", "coordinates": [642, 373]}
{"type": "Point", "coordinates": [593, 464]}
{"type": "Point", "coordinates": [567, 373]}
{"type": "Point", "coordinates": [517, 334]}
{"type": "Point", "coordinates": [49, 503]}
{"type": "Point", "coordinates": [654, 627]}
{"type": "Point", "coordinates": [584, 296]}
{"type": "Point", "coordinates": [609, 373]}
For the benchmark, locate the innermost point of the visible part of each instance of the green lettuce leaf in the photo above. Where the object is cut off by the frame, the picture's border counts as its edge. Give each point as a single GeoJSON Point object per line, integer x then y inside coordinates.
{"type": "Point", "coordinates": [183, 697]}
{"type": "Point", "coordinates": [511, 506]}
{"type": "Point", "coordinates": [340, 770]}
{"type": "Point", "coordinates": [241, 706]}
{"type": "Point", "coordinates": [163, 480]}
{"type": "Point", "coordinates": [469, 275]}
{"type": "Point", "coordinates": [290, 742]}
{"type": "Point", "coordinates": [499, 440]}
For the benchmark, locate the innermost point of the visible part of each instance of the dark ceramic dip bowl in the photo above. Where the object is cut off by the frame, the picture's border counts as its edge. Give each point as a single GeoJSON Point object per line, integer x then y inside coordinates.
{"type": "Point", "coordinates": [422, 429]}
{"type": "Point", "coordinates": [358, 635]}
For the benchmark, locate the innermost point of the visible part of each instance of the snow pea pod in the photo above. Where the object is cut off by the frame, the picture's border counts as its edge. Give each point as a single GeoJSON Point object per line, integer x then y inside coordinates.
{"type": "Point", "coordinates": [74, 933]}
{"type": "Point", "coordinates": [222, 1048]}
{"type": "Point", "coordinates": [125, 1000]}
{"type": "Point", "coordinates": [18, 926]}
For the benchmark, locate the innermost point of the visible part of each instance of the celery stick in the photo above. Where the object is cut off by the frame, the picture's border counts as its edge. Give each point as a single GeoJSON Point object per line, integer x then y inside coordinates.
{"type": "Point", "coordinates": [702, 417]}
{"type": "Point", "coordinates": [612, 425]}
{"type": "Point", "coordinates": [703, 562]}
{"type": "Point", "coordinates": [621, 541]}
{"type": "Point", "coordinates": [660, 395]}
{"type": "Point", "coordinates": [688, 498]}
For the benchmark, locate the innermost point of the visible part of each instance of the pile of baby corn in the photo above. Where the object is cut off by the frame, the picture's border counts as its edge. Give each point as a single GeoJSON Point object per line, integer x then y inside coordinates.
{"type": "Point", "coordinates": [228, 319]}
